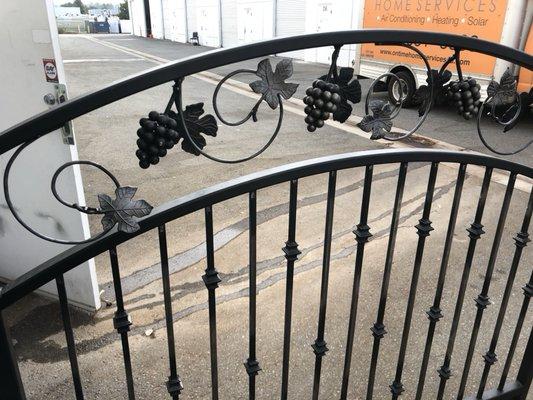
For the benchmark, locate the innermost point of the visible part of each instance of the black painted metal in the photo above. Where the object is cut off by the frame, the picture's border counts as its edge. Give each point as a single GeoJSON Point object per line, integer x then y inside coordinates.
{"type": "Point", "coordinates": [291, 173]}
{"type": "Point", "coordinates": [251, 364]}
{"type": "Point", "coordinates": [435, 313]}
{"type": "Point", "coordinates": [521, 240]}
{"type": "Point", "coordinates": [122, 322]}
{"type": "Point", "coordinates": [174, 385]}
{"type": "Point", "coordinates": [291, 254]}
{"type": "Point", "coordinates": [362, 235]}
{"type": "Point", "coordinates": [320, 346]}
{"type": "Point", "coordinates": [525, 373]}
{"type": "Point", "coordinates": [76, 255]}
{"type": "Point", "coordinates": [56, 117]}
{"type": "Point", "coordinates": [423, 230]}
{"type": "Point", "coordinates": [474, 233]}
{"type": "Point", "coordinates": [69, 335]}
{"type": "Point", "coordinates": [482, 301]}
{"type": "Point", "coordinates": [528, 292]}
{"type": "Point", "coordinates": [378, 330]}
{"type": "Point", "coordinates": [511, 391]}
{"type": "Point", "coordinates": [10, 382]}
{"type": "Point", "coordinates": [211, 280]}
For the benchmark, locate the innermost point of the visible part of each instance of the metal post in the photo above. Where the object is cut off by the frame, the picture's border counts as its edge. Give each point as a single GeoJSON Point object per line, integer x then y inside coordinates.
{"type": "Point", "coordinates": [525, 373]}
{"type": "Point", "coordinates": [10, 382]}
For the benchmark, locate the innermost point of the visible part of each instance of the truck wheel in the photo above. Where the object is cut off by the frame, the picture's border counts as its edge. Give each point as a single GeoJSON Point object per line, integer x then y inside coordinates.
{"type": "Point", "coordinates": [409, 87]}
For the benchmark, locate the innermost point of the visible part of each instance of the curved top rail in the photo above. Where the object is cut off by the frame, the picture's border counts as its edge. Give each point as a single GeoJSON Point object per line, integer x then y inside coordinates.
{"type": "Point", "coordinates": [56, 117]}
{"type": "Point", "coordinates": [187, 204]}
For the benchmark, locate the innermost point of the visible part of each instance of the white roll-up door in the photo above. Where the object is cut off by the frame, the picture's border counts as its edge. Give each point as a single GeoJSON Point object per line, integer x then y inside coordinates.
{"type": "Point", "coordinates": [327, 16]}
{"type": "Point", "coordinates": [290, 21]}
{"type": "Point", "coordinates": [174, 20]}
{"type": "Point", "coordinates": [255, 20]}
{"type": "Point", "coordinates": [156, 19]}
{"type": "Point", "coordinates": [229, 23]}
{"type": "Point", "coordinates": [208, 22]}
{"type": "Point", "coordinates": [138, 18]}
{"type": "Point", "coordinates": [191, 18]}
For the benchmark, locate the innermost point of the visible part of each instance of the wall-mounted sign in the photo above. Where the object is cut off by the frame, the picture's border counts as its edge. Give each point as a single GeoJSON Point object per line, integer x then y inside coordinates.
{"type": "Point", "coordinates": [50, 70]}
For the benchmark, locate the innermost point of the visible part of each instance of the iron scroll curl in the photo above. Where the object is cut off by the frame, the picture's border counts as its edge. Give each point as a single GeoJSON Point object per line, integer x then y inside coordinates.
{"type": "Point", "coordinates": [122, 211]}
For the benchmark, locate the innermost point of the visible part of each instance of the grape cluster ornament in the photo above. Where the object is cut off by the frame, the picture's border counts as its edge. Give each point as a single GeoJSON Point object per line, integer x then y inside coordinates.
{"type": "Point", "coordinates": [160, 132]}
{"type": "Point", "coordinates": [465, 95]}
{"type": "Point", "coordinates": [321, 99]}
{"type": "Point", "coordinates": [157, 134]}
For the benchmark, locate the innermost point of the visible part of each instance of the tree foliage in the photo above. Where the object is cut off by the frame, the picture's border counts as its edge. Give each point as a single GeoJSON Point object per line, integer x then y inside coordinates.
{"type": "Point", "coordinates": [123, 10]}
{"type": "Point", "coordinates": [77, 3]}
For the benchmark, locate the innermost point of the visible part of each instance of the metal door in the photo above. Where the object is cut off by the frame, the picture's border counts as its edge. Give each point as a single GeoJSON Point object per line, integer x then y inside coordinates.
{"type": "Point", "coordinates": [33, 69]}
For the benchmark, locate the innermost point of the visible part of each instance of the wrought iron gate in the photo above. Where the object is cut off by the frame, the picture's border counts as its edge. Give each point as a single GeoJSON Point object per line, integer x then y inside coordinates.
{"type": "Point", "coordinates": [125, 218]}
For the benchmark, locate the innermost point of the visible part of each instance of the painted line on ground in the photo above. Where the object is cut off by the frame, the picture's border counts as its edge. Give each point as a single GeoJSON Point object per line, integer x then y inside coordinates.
{"type": "Point", "coordinates": [295, 106]}
{"type": "Point", "coordinates": [85, 60]}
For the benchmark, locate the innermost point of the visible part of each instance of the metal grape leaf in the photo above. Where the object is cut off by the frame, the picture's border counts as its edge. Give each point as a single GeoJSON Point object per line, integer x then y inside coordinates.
{"type": "Point", "coordinates": [196, 126]}
{"type": "Point", "coordinates": [503, 92]}
{"type": "Point", "coordinates": [272, 83]}
{"type": "Point", "coordinates": [123, 210]}
{"type": "Point", "coordinates": [380, 122]}
{"type": "Point", "coordinates": [422, 95]}
{"type": "Point", "coordinates": [349, 90]}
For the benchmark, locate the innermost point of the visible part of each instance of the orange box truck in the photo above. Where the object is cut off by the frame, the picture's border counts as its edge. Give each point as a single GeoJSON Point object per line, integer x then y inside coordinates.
{"type": "Point", "coordinates": [502, 21]}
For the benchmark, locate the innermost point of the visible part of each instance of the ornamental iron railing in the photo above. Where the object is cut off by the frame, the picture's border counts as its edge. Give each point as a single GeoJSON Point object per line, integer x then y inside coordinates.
{"type": "Point", "coordinates": [124, 218]}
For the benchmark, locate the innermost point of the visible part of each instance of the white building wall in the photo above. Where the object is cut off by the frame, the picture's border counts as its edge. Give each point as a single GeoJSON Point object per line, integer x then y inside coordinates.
{"type": "Point", "coordinates": [174, 20]}
{"type": "Point", "coordinates": [332, 15]}
{"type": "Point", "coordinates": [290, 21]}
{"type": "Point", "coordinates": [255, 20]}
{"type": "Point", "coordinates": [137, 17]}
{"type": "Point", "coordinates": [156, 19]}
{"type": "Point", "coordinates": [245, 21]}
{"type": "Point", "coordinates": [191, 18]}
{"type": "Point", "coordinates": [207, 24]}
{"type": "Point", "coordinates": [229, 23]}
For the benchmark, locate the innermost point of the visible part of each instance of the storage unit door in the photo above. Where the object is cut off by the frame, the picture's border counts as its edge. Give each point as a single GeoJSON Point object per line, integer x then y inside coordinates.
{"type": "Point", "coordinates": [156, 19]}
{"type": "Point", "coordinates": [229, 23]}
{"type": "Point", "coordinates": [138, 18]}
{"type": "Point", "coordinates": [328, 16]}
{"type": "Point", "coordinates": [191, 18]}
{"type": "Point", "coordinates": [174, 20]}
{"type": "Point", "coordinates": [208, 22]}
{"type": "Point", "coordinates": [255, 20]}
{"type": "Point", "coordinates": [290, 21]}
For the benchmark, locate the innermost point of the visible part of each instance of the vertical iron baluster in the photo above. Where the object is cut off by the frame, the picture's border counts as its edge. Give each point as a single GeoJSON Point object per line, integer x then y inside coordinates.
{"type": "Point", "coordinates": [319, 346]}
{"type": "Point", "coordinates": [434, 314]}
{"type": "Point", "coordinates": [423, 230]}
{"type": "Point", "coordinates": [174, 385]}
{"type": "Point", "coordinates": [474, 233]}
{"type": "Point", "coordinates": [521, 240]}
{"type": "Point", "coordinates": [528, 292]}
{"type": "Point", "coordinates": [482, 301]}
{"type": "Point", "coordinates": [378, 330]}
{"type": "Point", "coordinates": [122, 321]}
{"type": "Point", "coordinates": [525, 372]}
{"type": "Point", "coordinates": [362, 235]}
{"type": "Point", "coordinates": [69, 335]}
{"type": "Point", "coordinates": [10, 382]}
{"type": "Point", "coordinates": [291, 254]}
{"type": "Point", "coordinates": [211, 280]}
{"type": "Point", "coordinates": [252, 365]}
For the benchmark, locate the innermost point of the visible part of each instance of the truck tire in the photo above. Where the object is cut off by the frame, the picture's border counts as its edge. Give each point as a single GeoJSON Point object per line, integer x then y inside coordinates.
{"type": "Point", "coordinates": [409, 88]}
